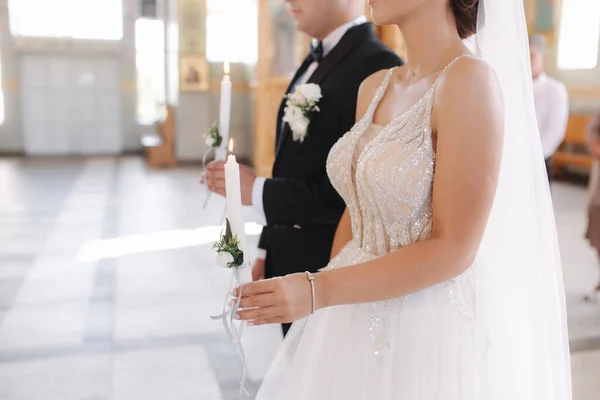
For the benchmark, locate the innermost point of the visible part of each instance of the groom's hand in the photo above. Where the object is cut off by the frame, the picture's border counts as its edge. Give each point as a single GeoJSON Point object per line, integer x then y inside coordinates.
{"type": "Point", "coordinates": [215, 175]}
{"type": "Point", "coordinates": [247, 178]}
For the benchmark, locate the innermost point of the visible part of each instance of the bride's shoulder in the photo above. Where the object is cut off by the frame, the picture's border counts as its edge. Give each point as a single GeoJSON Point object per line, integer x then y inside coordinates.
{"type": "Point", "coordinates": [468, 101]}
{"type": "Point", "coordinates": [469, 79]}
{"type": "Point", "coordinates": [467, 72]}
{"type": "Point", "coordinates": [367, 91]}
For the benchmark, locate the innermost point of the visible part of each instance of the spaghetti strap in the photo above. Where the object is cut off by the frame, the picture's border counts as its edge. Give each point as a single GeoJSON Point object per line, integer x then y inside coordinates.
{"type": "Point", "coordinates": [381, 90]}
{"type": "Point", "coordinates": [447, 67]}
{"type": "Point", "coordinates": [379, 94]}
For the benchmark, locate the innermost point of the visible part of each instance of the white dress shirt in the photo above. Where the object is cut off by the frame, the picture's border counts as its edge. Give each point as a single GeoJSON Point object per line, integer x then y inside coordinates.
{"type": "Point", "coordinates": [328, 44]}
{"type": "Point", "coordinates": [552, 112]}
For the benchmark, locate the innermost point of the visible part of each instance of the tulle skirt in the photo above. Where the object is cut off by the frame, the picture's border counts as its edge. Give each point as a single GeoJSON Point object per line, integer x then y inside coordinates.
{"type": "Point", "coordinates": [425, 346]}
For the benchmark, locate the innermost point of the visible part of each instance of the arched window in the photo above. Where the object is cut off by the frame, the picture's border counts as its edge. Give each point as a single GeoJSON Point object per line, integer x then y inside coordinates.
{"type": "Point", "coordinates": [224, 22]}
{"type": "Point", "coordinates": [579, 35]}
{"type": "Point", "coordinates": [78, 19]}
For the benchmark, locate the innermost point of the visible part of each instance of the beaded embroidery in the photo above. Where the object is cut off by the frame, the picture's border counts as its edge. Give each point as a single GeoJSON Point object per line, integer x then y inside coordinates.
{"type": "Point", "coordinates": [387, 186]}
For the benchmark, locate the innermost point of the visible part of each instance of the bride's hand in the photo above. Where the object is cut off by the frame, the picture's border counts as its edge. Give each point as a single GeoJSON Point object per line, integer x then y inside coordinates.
{"type": "Point", "coordinates": [274, 301]}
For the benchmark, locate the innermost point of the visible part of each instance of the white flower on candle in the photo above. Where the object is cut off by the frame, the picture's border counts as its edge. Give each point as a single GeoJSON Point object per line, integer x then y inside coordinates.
{"type": "Point", "coordinates": [210, 141]}
{"type": "Point", "coordinates": [224, 259]}
{"type": "Point", "coordinates": [229, 249]}
{"type": "Point", "coordinates": [299, 106]}
{"type": "Point", "coordinates": [212, 137]}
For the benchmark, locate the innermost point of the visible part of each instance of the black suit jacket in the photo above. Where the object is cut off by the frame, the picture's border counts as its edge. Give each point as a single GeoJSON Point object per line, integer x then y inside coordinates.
{"type": "Point", "coordinates": [301, 207]}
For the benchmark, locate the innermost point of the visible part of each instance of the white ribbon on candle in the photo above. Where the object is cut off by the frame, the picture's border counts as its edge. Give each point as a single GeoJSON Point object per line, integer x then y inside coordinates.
{"type": "Point", "coordinates": [235, 333]}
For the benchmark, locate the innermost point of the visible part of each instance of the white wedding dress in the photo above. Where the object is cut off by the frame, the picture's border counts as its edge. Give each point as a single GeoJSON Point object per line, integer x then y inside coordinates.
{"type": "Point", "coordinates": [498, 331]}
{"type": "Point", "coordinates": [385, 350]}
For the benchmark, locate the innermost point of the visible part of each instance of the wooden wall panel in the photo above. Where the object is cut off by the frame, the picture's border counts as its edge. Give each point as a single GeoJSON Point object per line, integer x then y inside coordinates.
{"type": "Point", "coordinates": [270, 85]}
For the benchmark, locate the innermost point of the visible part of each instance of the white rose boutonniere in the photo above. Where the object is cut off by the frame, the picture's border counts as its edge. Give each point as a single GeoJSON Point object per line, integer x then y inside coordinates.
{"type": "Point", "coordinates": [311, 91]}
{"type": "Point", "coordinates": [298, 107]}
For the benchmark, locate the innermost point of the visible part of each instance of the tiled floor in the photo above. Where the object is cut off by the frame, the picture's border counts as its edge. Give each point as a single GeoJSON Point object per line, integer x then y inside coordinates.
{"type": "Point", "coordinates": [107, 281]}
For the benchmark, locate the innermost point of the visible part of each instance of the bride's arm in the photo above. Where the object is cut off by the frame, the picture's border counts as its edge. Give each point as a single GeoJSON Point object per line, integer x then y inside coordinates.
{"type": "Point", "coordinates": [470, 124]}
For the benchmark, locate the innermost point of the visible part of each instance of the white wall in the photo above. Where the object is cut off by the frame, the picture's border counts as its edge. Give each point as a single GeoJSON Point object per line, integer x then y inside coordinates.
{"type": "Point", "coordinates": [574, 79]}
{"type": "Point", "coordinates": [196, 112]}
{"type": "Point", "coordinates": [70, 105]}
{"type": "Point", "coordinates": [13, 49]}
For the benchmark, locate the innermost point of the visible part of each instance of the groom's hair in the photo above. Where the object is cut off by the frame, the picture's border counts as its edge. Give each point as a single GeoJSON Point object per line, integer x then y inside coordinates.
{"type": "Point", "coordinates": [465, 14]}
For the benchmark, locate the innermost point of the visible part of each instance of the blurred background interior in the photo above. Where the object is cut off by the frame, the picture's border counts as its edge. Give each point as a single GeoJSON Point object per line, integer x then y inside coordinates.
{"type": "Point", "coordinates": [106, 273]}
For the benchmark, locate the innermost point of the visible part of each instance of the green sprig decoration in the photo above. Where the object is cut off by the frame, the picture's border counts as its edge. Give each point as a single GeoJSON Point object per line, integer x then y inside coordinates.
{"type": "Point", "coordinates": [212, 137]}
{"type": "Point", "coordinates": [230, 243]}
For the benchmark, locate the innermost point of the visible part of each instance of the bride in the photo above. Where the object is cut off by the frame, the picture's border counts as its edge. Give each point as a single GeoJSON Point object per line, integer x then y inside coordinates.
{"type": "Point", "coordinates": [445, 282]}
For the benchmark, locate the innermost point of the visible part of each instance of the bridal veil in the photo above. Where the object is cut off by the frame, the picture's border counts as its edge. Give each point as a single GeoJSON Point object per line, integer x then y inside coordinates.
{"type": "Point", "coordinates": [520, 289]}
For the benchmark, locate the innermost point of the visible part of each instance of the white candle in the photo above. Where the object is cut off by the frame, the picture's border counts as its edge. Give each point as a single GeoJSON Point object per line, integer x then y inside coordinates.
{"type": "Point", "coordinates": [234, 198]}
{"type": "Point", "coordinates": [225, 105]}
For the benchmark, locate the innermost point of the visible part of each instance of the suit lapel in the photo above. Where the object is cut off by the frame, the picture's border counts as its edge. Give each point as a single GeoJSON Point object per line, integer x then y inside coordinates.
{"type": "Point", "coordinates": [284, 131]}
{"type": "Point", "coordinates": [278, 129]}
{"type": "Point", "coordinates": [351, 40]}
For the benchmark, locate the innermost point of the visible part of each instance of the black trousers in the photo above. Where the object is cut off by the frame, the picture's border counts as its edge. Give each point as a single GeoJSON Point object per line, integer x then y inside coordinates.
{"type": "Point", "coordinates": [549, 168]}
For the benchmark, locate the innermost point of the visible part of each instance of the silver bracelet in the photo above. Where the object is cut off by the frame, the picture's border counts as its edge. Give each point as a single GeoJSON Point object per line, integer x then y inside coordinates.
{"type": "Point", "coordinates": [311, 280]}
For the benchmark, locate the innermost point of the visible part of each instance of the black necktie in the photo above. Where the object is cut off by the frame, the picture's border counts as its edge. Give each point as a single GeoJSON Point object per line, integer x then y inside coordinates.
{"type": "Point", "coordinates": [316, 52]}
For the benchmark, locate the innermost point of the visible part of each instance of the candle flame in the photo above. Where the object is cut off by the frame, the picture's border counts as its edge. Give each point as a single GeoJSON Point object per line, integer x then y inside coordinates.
{"type": "Point", "coordinates": [226, 67]}
{"type": "Point", "coordinates": [230, 146]}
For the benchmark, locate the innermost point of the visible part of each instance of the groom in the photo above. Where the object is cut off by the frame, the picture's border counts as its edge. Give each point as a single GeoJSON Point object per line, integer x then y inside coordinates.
{"type": "Point", "coordinates": [301, 208]}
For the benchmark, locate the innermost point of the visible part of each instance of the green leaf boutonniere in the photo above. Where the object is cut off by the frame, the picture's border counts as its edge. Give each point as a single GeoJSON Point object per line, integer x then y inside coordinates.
{"type": "Point", "coordinates": [229, 254]}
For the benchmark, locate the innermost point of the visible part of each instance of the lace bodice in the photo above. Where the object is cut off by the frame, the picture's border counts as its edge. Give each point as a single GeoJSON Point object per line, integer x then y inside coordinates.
{"type": "Point", "coordinates": [385, 175]}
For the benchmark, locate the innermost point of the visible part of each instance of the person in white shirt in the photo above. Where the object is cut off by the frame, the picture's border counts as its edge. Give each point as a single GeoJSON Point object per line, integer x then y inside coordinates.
{"type": "Point", "coordinates": [551, 101]}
